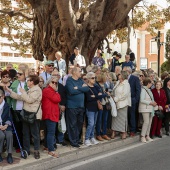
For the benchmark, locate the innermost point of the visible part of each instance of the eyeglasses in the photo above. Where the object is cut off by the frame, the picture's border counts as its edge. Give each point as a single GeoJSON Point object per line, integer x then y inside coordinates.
{"type": "Point", "coordinates": [54, 82]}
{"type": "Point", "coordinates": [141, 75]}
{"type": "Point", "coordinates": [5, 76]}
{"type": "Point", "coordinates": [93, 78]}
{"type": "Point", "coordinates": [20, 74]}
{"type": "Point", "coordinates": [85, 79]}
{"type": "Point", "coordinates": [55, 74]}
{"type": "Point", "coordinates": [51, 65]}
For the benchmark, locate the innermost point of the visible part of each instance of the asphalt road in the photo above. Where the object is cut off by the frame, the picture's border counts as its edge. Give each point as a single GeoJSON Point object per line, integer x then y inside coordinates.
{"type": "Point", "coordinates": [139, 156]}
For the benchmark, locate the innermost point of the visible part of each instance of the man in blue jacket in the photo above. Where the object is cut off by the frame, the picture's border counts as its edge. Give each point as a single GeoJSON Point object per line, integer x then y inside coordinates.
{"type": "Point", "coordinates": [135, 96]}
{"type": "Point", "coordinates": [75, 88]}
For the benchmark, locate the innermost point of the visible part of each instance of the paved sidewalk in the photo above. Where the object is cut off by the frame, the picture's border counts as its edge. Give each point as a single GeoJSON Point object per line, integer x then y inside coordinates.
{"type": "Point", "coordinates": [67, 154]}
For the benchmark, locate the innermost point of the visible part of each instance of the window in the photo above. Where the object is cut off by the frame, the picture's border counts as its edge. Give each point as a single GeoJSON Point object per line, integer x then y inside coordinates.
{"type": "Point", "coordinates": [153, 47]}
{"type": "Point", "coordinates": [154, 66]}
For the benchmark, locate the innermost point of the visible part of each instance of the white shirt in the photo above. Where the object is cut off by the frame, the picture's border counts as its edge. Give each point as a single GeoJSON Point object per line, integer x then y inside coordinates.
{"type": "Point", "coordinates": [80, 61]}
{"type": "Point", "coordinates": [19, 104]}
{"type": "Point", "coordinates": [60, 65]}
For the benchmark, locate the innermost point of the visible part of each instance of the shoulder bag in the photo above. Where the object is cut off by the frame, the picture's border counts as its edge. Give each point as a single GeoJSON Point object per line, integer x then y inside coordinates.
{"type": "Point", "coordinates": [29, 117]}
{"type": "Point", "coordinates": [99, 104]}
{"type": "Point", "coordinates": [158, 113]}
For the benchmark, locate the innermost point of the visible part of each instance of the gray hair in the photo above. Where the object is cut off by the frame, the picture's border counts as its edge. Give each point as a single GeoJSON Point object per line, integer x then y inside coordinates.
{"type": "Point", "coordinates": [90, 75]}
{"type": "Point", "coordinates": [124, 75]}
{"type": "Point", "coordinates": [2, 93]}
{"type": "Point", "coordinates": [128, 69]}
{"type": "Point", "coordinates": [50, 80]}
{"type": "Point", "coordinates": [59, 53]}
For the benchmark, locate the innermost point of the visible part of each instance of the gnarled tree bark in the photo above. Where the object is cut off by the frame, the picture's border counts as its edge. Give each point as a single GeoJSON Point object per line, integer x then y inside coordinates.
{"type": "Point", "coordinates": [60, 25]}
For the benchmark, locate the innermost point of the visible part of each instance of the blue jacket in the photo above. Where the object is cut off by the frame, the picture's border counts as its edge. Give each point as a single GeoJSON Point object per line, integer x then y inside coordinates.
{"type": "Point", "coordinates": [6, 117]}
{"type": "Point", "coordinates": [75, 97]}
{"type": "Point", "coordinates": [135, 88]}
{"type": "Point", "coordinates": [128, 64]}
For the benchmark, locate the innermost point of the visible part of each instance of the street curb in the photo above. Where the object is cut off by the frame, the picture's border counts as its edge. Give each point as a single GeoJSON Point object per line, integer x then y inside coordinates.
{"type": "Point", "coordinates": [50, 162]}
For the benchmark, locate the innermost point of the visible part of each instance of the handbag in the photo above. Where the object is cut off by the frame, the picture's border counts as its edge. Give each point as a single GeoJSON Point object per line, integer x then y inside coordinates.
{"type": "Point", "coordinates": [99, 104]}
{"type": "Point", "coordinates": [108, 106]}
{"type": "Point", "coordinates": [28, 117]}
{"type": "Point", "coordinates": [159, 114]}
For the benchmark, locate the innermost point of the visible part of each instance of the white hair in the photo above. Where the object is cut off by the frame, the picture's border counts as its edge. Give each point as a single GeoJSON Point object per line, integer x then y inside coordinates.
{"type": "Point", "coordinates": [59, 53]}
{"type": "Point", "coordinates": [50, 80]}
{"type": "Point", "coordinates": [90, 75]}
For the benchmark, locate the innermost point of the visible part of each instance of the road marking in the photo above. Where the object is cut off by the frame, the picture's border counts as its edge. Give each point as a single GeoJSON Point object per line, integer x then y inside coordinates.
{"type": "Point", "coordinates": [100, 157]}
{"type": "Point", "coordinates": [83, 162]}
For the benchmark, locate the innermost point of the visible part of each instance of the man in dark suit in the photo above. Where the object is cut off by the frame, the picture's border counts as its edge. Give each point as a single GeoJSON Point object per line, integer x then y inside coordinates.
{"type": "Point", "coordinates": [135, 96]}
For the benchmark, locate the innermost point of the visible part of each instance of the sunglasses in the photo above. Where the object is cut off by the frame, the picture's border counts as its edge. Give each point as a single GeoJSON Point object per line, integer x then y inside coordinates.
{"type": "Point", "coordinates": [141, 75]}
{"type": "Point", "coordinates": [93, 78]}
{"type": "Point", "coordinates": [85, 79]}
{"type": "Point", "coordinates": [54, 82]}
{"type": "Point", "coordinates": [51, 65]}
{"type": "Point", "coordinates": [20, 74]}
{"type": "Point", "coordinates": [5, 76]}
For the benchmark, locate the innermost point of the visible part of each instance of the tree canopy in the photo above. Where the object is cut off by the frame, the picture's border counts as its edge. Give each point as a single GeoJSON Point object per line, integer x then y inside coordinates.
{"type": "Point", "coordinates": [48, 26]}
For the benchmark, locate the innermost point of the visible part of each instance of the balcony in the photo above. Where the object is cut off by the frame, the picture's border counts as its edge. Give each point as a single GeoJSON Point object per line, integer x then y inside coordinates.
{"type": "Point", "coordinates": [17, 59]}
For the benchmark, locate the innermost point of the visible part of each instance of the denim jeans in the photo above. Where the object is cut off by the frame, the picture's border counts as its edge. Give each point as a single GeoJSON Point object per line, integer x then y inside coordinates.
{"type": "Point", "coordinates": [92, 117]}
{"type": "Point", "coordinates": [59, 136]}
{"type": "Point", "coordinates": [101, 125]}
{"type": "Point", "coordinates": [74, 122]}
{"type": "Point", "coordinates": [104, 120]}
{"type": "Point", "coordinates": [51, 128]}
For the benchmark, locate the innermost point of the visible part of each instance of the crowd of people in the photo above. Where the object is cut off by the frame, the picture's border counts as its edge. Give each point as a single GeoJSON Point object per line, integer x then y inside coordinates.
{"type": "Point", "coordinates": [86, 95]}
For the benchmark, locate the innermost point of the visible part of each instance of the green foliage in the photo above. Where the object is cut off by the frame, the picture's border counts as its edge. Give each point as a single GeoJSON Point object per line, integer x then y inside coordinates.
{"type": "Point", "coordinates": [167, 45]}
{"type": "Point", "coordinates": [165, 66]}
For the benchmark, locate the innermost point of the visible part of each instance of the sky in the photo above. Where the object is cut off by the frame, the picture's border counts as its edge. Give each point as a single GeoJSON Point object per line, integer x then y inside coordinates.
{"type": "Point", "coordinates": [162, 3]}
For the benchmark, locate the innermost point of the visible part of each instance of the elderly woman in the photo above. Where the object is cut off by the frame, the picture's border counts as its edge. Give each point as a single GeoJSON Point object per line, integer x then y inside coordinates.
{"type": "Point", "coordinates": [122, 98]}
{"type": "Point", "coordinates": [146, 107]}
{"type": "Point", "coordinates": [32, 103]}
{"type": "Point", "coordinates": [50, 108]}
{"type": "Point", "coordinates": [160, 98]}
{"type": "Point", "coordinates": [5, 128]}
{"type": "Point", "coordinates": [17, 105]}
{"type": "Point", "coordinates": [92, 96]}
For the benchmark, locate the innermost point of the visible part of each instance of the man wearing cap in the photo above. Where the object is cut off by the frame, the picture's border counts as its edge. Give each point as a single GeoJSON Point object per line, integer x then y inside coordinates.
{"type": "Point", "coordinates": [115, 61]}
{"type": "Point", "coordinates": [98, 60]}
{"type": "Point", "coordinates": [49, 65]}
{"type": "Point", "coordinates": [77, 59]}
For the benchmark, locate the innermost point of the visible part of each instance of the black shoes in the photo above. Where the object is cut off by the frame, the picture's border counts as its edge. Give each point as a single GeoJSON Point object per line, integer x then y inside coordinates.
{"type": "Point", "coordinates": [75, 145]}
{"type": "Point", "coordinates": [36, 155]}
{"type": "Point", "coordinates": [9, 158]}
{"type": "Point", "coordinates": [159, 136]}
{"type": "Point", "coordinates": [1, 159]}
{"type": "Point", "coordinates": [80, 142]}
{"type": "Point", "coordinates": [167, 133]}
{"type": "Point", "coordinates": [63, 143]}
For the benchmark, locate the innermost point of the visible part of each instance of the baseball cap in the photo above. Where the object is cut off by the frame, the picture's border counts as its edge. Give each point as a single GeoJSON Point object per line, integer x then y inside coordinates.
{"type": "Point", "coordinates": [49, 62]}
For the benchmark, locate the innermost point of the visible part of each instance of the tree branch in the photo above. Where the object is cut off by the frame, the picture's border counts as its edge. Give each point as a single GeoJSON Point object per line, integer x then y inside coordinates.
{"type": "Point", "coordinates": [16, 13]}
{"type": "Point", "coordinates": [66, 14]}
{"type": "Point", "coordinates": [75, 5]}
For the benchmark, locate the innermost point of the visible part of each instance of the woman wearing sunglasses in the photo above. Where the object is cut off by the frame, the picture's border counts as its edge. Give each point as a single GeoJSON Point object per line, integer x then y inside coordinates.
{"type": "Point", "coordinates": [17, 105]}
{"type": "Point", "coordinates": [31, 100]}
{"type": "Point", "coordinates": [50, 109]}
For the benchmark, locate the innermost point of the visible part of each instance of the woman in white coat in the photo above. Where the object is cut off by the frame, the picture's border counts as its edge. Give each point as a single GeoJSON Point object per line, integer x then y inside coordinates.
{"type": "Point", "coordinates": [146, 107]}
{"type": "Point", "coordinates": [122, 98]}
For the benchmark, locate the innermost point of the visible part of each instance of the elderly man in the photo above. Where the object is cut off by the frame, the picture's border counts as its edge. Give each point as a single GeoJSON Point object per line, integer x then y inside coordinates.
{"type": "Point", "coordinates": [49, 65]}
{"type": "Point", "coordinates": [98, 60]}
{"type": "Point", "coordinates": [60, 63]}
{"type": "Point", "coordinates": [135, 96]}
{"type": "Point", "coordinates": [9, 66]}
{"type": "Point", "coordinates": [127, 62]}
{"type": "Point", "coordinates": [75, 88]}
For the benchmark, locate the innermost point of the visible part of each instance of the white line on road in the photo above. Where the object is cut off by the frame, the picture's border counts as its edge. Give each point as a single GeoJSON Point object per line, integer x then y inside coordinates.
{"type": "Point", "coordinates": [100, 157]}
{"type": "Point", "coordinates": [83, 162]}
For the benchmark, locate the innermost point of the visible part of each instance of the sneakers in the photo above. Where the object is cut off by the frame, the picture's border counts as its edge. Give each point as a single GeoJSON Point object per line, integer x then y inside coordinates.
{"type": "Point", "coordinates": [149, 139]}
{"type": "Point", "coordinates": [143, 139]}
{"type": "Point", "coordinates": [87, 142]}
{"type": "Point", "coordinates": [93, 141]}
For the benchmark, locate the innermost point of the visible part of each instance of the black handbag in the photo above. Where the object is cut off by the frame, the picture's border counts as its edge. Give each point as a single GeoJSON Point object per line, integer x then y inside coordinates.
{"type": "Point", "coordinates": [108, 106]}
{"type": "Point", "coordinates": [28, 117]}
{"type": "Point", "coordinates": [159, 114]}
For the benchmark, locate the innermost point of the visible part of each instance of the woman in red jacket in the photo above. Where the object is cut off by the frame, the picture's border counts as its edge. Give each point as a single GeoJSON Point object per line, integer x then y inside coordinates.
{"type": "Point", "coordinates": [160, 99]}
{"type": "Point", "coordinates": [50, 108]}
